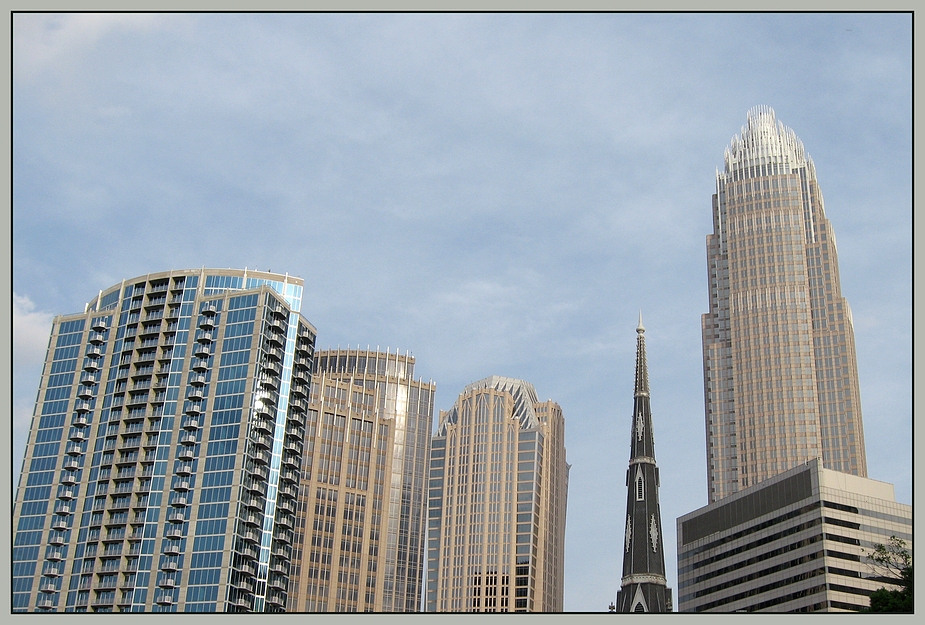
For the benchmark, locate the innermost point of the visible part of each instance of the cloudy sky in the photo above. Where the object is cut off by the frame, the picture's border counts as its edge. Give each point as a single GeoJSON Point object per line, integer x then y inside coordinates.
{"type": "Point", "coordinates": [497, 194]}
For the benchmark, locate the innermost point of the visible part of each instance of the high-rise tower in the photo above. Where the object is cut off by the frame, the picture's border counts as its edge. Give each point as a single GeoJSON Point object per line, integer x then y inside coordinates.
{"type": "Point", "coordinates": [643, 587]}
{"type": "Point", "coordinates": [161, 470]}
{"type": "Point", "coordinates": [360, 526]}
{"type": "Point", "coordinates": [780, 370]}
{"type": "Point", "coordinates": [496, 514]}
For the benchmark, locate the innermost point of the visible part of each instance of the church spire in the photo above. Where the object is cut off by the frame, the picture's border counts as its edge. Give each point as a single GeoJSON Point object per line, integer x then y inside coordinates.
{"type": "Point", "coordinates": [643, 586]}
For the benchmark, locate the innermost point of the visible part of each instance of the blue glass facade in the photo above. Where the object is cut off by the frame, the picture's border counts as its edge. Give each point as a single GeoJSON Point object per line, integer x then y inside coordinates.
{"type": "Point", "coordinates": [152, 480]}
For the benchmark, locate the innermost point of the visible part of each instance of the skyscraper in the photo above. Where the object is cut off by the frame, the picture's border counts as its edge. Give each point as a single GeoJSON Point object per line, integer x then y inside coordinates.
{"type": "Point", "coordinates": [359, 544]}
{"type": "Point", "coordinates": [780, 370]}
{"type": "Point", "coordinates": [161, 470]}
{"type": "Point", "coordinates": [496, 513]}
{"type": "Point", "coordinates": [643, 587]}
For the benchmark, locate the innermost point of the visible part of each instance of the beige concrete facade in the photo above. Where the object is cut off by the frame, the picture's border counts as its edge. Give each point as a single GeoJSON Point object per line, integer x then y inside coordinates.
{"type": "Point", "coordinates": [360, 514]}
{"type": "Point", "coordinates": [797, 542]}
{"type": "Point", "coordinates": [496, 535]}
{"type": "Point", "coordinates": [780, 370]}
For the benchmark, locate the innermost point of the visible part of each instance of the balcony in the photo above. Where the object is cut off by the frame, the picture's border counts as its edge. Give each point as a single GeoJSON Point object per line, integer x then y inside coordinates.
{"type": "Point", "coordinates": [186, 454]}
{"type": "Point", "coordinates": [176, 517]}
{"type": "Point", "coordinates": [275, 353]}
{"type": "Point", "coordinates": [181, 486]}
{"type": "Point", "coordinates": [94, 351]}
{"type": "Point", "coordinates": [179, 502]}
{"type": "Point", "coordinates": [285, 521]}
{"type": "Point", "coordinates": [289, 475]}
{"type": "Point", "coordinates": [82, 406]}
{"type": "Point", "coordinates": [60, 523]}
{"type": "Point", "coordinates": [57, 539]}
{"type": "Point", "coordinates": [65, 508]}
{"type": "Point", "coordinates": [252, 518]}
{"type": "Point", "coordinates": [67, 494]}
{"type": "Point", "coordinates": [45, 603]}
{"type": "Point", "coordinates": [48, 586]}
{"type": "Point", "coordinates": [251, 536]}
{"type": "Point", "coordinates": [263, 424]}
{"type": "Point", "coordinates": [184, 469]}
{"type": "Point", "coordinates": [167, 582]}
{"type": "Point", "coordinates": [170, 548]}
{"type": "Point", "coordinates": [193, 409]}
{"type": "Point", "coordinates": [292, 460]}
{"type": "Point", "coordinates": [165, 599]}
{"type": "Point", "coordinates": [56, 555]}
{"type": "Point", "coordinates": [261, 456]}
{"type": "Point", "coordinates": [198, 380]}
{"type": "Point", "coordinates": [262, 440]}
{"type": "Point", "coordinates": [54, 571]}
{"type": "Point", "coordinates": [78, 435]}
{"type": "Point", "coordinates": [188, 439]}
{"type": "Point", "coordinates": [201, 350]}
{"type": "Point", "coordinates": [207, 322]}
{"type": "Point", "coordinates": [199, 364]}
{"type": "Point", "coordinates": [208, 310]}
{"type": "Point", "coordinates": [175, 532]}
{"type": "Point", "coordinates": [170, 564]}
{"type": "Point", "coordinates": [269, 382]}
{"type": "Point", "coordinates": [256, 503]}
{"type": "Point", "coordinates": [273, 368]}
{"type": "Point", "coordinates": [259, 472]}
{"type": "Point", "coordinates": [194, 393]}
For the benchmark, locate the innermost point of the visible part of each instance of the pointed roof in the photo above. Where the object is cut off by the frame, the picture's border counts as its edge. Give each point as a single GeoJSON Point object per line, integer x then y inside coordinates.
{"type": "Point", "coordinates": [642, 372]}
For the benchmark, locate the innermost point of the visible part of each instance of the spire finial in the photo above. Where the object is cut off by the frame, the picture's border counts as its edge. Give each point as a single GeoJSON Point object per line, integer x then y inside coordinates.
{"type": "Point", "coordinates": [640, 329]}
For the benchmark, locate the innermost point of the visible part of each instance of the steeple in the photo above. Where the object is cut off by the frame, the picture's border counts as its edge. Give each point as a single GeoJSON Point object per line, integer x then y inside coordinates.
{"type": "Point", "coordinates": [643, 586]}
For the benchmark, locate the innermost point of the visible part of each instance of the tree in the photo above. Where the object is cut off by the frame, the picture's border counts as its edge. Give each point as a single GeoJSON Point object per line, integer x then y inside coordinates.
{"type": "Point", "coordinates": [892, 564]}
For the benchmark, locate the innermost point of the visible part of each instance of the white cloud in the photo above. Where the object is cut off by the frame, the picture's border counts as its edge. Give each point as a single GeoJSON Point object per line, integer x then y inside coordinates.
{"type": "Point", "coordinates": [30, 333]}
{"type": "Point", "coordinates": [48, 40]}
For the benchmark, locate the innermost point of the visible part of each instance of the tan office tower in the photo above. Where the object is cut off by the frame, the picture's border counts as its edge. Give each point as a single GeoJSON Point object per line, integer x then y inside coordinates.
{"type": "Point", "coordinates": [496, 536]}
{"type": "Point", "coordinates": [359, 543]}
{"type": "Point", "coordinates": [780, 370]}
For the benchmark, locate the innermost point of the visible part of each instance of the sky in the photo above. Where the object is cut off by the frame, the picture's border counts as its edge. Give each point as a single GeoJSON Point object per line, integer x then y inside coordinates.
{"type": "Point", "coordinates": [498, 194]}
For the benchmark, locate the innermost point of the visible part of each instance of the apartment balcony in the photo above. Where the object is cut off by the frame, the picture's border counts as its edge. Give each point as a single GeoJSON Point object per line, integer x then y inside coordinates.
{"type": "Point", "coordinates": [82, 407]}
{"type": "Point", "coordinates": [208, 309]}
{"type": "Point", "coordinates": [164, 599]}
{"type": "Point", "coordinates": [292, 460]}
{"type": "Point", "coordinates": [199, 364]}
{"type": "Point", "coordinates": [181, 486]}
{"type": "Point", "coordinates": [67, 494]}
{"type": "Point", "coordinates": [198, 380]}
{"type": "Point", "coordinates": [194, 409]}
{"type": "Point", "coordinates": [71, 464]}
{"type": "Point", "coordinates": [252, 536]}
{"type": "Point", "coordinates": [75, 449]}
{"type": "Point", "coordinates": [186, 454]}
{"type": "Point", "coordinates": [55, 571]}
{"type": "Point", "coordinates": [178, 516]}
{"type": "Point", "coordinates": [78, 435]}
{"type": "Point", "coordinates": [46, 603]}
{"type": "Point", "coordinates": [268, 382]}
{"type": "Point", "coordinates": [195, 393]}
{"type": "Point", "coordinates": [48, 586]}
{"type": "Point", "coordinates": [170, 565]}
{"type": "Point", "coordinates": [184, 469]}
{"type": "Point", "coordinates": [167, 582]}
{"type": "Point", "coordinates": [60, 523]}
{"type": "Point", "coordinates": [202, 350]}
{"type": "Point", "coordinates": [288, 474]}
{"type": "Point", "coordinates": [179, 502]}
{"type": "Point", "coordinates": [94, 351]}
{"type": "Point", "coordinates": [263, 424]}
{"type": "Point", "coordinates": [207, 322]}
{"type": "Point", "coordinates": [174, 532]}
{"type": "Point", "coordinates": [260, 472]}
{"type": "Point", "coordinates": [262, 440]}
{"type": "Point", "coordinates": [57, 539]}
{"type": "Point", "coordinates": [170, 548]}
{"type": "Point", "coordinates": [65, 508]}
{"type": "Point", "coordinates": [261, 456]}
{"type": "Point", "coordinates": [55, 555]}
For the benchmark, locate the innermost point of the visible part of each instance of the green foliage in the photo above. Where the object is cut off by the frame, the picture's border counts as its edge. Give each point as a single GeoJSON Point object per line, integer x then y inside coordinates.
{"type": "Point", "coordinates": [892, 562]}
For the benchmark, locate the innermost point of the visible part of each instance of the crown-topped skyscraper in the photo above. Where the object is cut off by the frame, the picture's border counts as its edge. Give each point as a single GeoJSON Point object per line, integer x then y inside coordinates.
{"type": "Point", "coordinates": [779, 363]}
{"type": "Point", "coordinates": [643, 586]}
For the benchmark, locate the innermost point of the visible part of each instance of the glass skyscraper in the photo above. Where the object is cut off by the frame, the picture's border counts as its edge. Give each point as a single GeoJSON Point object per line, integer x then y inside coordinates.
{"type": "Point", "coordinates": [162, 466]}
{"type": "Point", "coordinates": [780, 370]}
{"type": "Point", "coordinates": [360, 524]}
{"type": "Point", "coordinates": [498, 486]}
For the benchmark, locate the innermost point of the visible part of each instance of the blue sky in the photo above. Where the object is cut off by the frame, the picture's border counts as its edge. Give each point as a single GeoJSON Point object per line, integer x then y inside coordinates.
{"type": "Point", "coordinates": [497, 194]}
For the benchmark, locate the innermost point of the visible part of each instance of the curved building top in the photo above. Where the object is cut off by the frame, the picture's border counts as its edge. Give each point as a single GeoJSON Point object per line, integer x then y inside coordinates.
{"type": "Point", "coordinates": [766, 147]}
{"type": "Point", "coordinates": [210, 282]}
{"type": "Point", "coordinates": [523, 394]}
